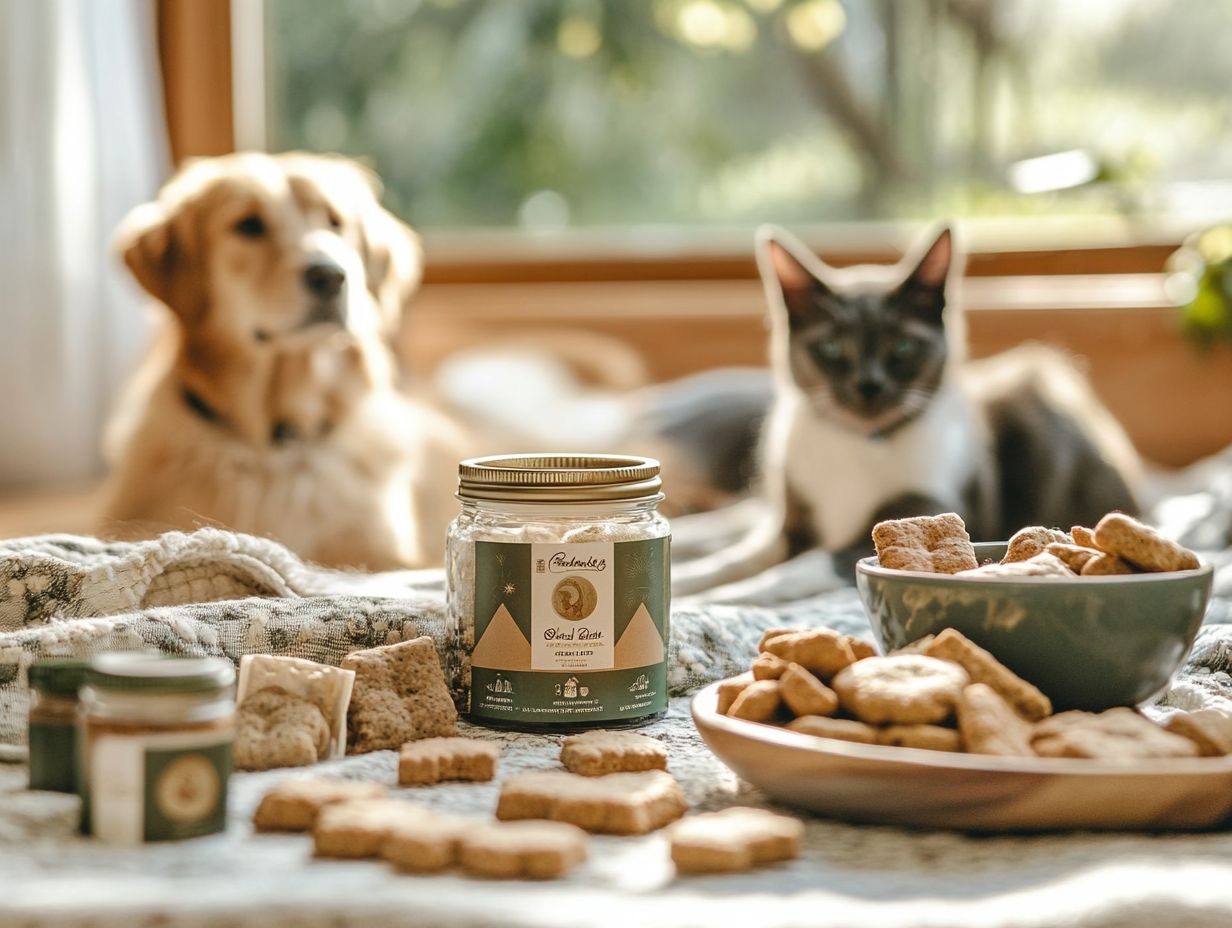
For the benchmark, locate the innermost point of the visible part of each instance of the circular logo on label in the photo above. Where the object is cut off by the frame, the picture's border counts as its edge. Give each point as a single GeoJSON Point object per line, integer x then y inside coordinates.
{"type": "Point", "coordinates": [188, 789]}
{"type": "Point", "coordinates": [574, 598]}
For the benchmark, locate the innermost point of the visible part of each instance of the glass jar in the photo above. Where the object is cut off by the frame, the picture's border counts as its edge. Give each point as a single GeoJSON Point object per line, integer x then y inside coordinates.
{"type": "Point", "coordinates": [156, 736]}
{"type": "Point", "coordinates": [559, 592]}
{"type": "Point", "coordinates": [54, 683]}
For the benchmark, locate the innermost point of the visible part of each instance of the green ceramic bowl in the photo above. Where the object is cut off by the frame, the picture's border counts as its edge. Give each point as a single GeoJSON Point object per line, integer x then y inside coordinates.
{"type": "Point", "coordinates": [1089, 643]}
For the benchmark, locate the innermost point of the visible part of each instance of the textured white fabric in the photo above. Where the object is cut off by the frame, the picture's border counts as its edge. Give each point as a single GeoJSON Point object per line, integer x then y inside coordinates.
{"type": "Point", "coordinates": [67, 595]}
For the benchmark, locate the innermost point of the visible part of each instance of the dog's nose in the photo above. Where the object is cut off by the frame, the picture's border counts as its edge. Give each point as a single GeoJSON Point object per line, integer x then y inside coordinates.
{"type": "Point", "coordinates": [323, 279]}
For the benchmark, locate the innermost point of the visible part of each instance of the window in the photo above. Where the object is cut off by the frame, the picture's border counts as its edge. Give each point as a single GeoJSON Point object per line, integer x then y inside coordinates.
{"type": "Point", "coordinates": [552, 114]}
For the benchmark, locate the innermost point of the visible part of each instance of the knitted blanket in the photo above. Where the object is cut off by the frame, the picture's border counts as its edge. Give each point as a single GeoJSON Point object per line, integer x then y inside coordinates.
{"type": "Point", "coordinates": [212, 592]}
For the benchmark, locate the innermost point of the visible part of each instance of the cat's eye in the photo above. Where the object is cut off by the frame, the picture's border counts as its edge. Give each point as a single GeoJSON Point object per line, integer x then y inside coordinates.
{"type": "Point", "coordinates": [251, 227]}
{"type": "Point", "coordinates": [829, 349]}
{"type": "Point", "coordinates": [905, 348]}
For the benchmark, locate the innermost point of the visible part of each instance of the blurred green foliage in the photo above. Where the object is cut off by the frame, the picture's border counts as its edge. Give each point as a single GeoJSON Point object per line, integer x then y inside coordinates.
{"type": "Point", "coordinates": [1201, 282]}
{"type": "Point", "coordinates": [551, 113]}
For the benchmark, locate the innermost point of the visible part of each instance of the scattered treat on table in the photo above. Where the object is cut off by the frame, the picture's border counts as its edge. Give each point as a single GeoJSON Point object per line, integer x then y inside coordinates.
{"type": "Point", "coordinates": [935, 544]}
{"type": "Point", "coordinates": [359, 827]}
{"type": "Point", "coordinates": [1028, 542]}
{"type": "Point", "coordinates": [294, 804]}
{"type": "Point", "coordinates": [425, 846]}
{"type": "Point", "coordinates": [839, 729]}
{"type": "Point", "coordinates": [277, 729]}
{"type": "Point", "coordinates": [1083, 536]}
{"type": "Point", "coordinates": [804, 694]}
{"type": "Point", "coordinates": [433, 760]}
{"type": "Point", "coordinates": [328, 688]}
{"type": "Point", "coordinates": [1118, 734]}
{"type": "Point", "coordinates": [1209, 729]}
{"type": "Point", "coordinates": [1141, 545]}
{"type": "Point", "coordinates": [820, 650]}
{"type": "Point", "coordinates": [1075, 557]}
{"type": "Point", "coordinates": [400, 695]}
{"type": "Point", "coordinates": [733, 840]}
{"type": "Point", "coordinates": [618, 803]}
{"type": "Point", "coordinates": [1042, 565]}
{"type": "Point", "coordinates": [757, 702]}
{"type": "Point", "coordinates": [989, 725]}
{"type": "Point", "coordinates": [926, 737]}
{"type": "Point", "coordinates": [906, 689]}
{"type": "Point", "coordinates": [767, 666]}
{"type": "Point", "coordinates": [597, 753]}
{"type": "Point", "coordinates": [1106, 565]}
{"type": "Point", "coordinates": [952, 645]}
{"type": "Point", "coordinates": [522, 850]}
{"type": "Point", "coordinates": [729, 690]}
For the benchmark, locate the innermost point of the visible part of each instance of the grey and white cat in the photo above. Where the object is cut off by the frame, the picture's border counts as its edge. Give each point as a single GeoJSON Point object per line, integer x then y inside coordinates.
{"type": "Point", "coordinates": [876, 414]}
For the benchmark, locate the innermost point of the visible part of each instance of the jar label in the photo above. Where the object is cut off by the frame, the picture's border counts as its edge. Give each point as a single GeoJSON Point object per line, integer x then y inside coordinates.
{"type": "Point", "coordinates": [158, 787]}
{"type": "Point", "coordinates": [570, 633]}
{"type": "Point", "coordinates": [53, 756]}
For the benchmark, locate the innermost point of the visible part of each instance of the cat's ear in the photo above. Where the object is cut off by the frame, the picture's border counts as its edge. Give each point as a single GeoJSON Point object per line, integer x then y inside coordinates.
{"type": "Point", "coordinates": [925, 283]}
{"type": "Point", "coordinates": [783, 266]}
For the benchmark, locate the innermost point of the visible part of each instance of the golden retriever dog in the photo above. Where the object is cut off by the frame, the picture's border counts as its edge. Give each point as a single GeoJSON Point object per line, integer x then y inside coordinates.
{"type": "Point", "coordinates": [271, 405]}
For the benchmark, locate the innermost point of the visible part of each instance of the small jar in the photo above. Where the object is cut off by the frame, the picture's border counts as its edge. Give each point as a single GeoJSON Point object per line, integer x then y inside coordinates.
{"type": "Point", "coordinates": [559, 592]}
{"type": "Point", "coordinates": [156, 737]}
{"type": "Point", "coordinates": [53, 723]}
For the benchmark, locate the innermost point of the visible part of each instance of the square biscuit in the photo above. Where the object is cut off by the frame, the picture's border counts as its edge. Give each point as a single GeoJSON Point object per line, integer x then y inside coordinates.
{"type": "Point", "coordinates": [433, 760]}
{"type": "Point", "coordinates": [294, 804]}
{"type": "Point", "coordinates": [617, 804]}
{"type": "Point", "coordinates": [734, 840]}
{"type": "Point", "coordinates": [399, 695]}
{"type": "Point", "coordinates": [952, 645]}
{"type": "Point", "coordinates": [597, 753]}
{"type": "Point", "coordinates": [358, 828]}
{"type": "Point", "coordinates": [933, 544]}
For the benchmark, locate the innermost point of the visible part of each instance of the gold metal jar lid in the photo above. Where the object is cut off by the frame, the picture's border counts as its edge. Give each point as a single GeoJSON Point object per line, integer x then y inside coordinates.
{"type": "Point", "coordinates": [559, 478]}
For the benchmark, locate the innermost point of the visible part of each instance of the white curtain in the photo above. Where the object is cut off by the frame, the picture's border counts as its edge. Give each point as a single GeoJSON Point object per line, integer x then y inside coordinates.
{"type": "Point", "coordinates": [82, 140]}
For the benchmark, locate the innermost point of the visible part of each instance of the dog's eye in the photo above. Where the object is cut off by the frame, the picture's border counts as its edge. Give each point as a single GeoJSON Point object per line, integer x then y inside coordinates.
{"type": "Point", "coordinates": [251, 227]}
{"type": "Point", "coordinates": [335, 221]}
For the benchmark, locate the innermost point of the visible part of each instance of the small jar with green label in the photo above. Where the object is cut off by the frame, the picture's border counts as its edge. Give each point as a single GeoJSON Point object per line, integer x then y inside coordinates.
{"type": "Point", "coordinates": [54, 683]}
{"type": "Point", "coordinates": [156, 736]}
{"type": "Point", "coordinates": [559, 592]}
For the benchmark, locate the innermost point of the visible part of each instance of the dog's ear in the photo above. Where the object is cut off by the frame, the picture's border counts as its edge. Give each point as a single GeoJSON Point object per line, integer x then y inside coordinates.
{"type": "Point", "coordinates": [393, 263]}
{"type": "Point", "coordinates": [151, 243]}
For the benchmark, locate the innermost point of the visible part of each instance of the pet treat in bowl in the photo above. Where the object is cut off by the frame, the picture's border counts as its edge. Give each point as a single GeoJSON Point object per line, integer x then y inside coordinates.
{"type": "Point", "coordinates": [1110, 633]}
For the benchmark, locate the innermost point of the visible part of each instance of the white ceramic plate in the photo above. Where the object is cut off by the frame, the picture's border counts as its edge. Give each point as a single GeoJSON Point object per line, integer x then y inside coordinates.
{"type": "Point", "coordinates": [971, 792]}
